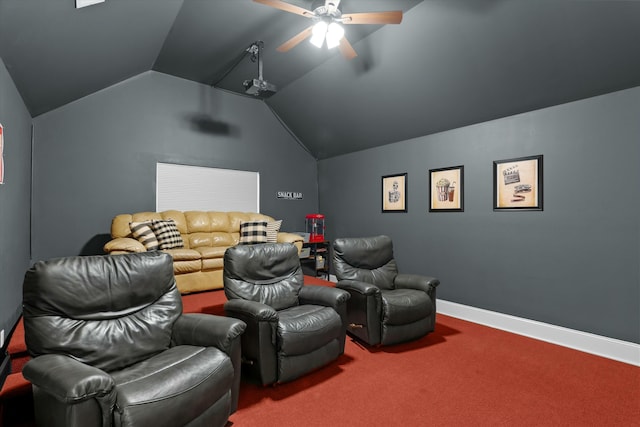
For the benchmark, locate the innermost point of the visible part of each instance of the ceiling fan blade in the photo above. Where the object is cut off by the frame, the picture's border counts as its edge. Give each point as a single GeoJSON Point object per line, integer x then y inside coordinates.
{"type": "Point", "coordinates": [346, 49]}
{"type": "Point", "coordinates": [295, 40]}
{"type": "Point", "coordinates": [286, 7]}
{"type": "Point", "coordinates": [390, 17]}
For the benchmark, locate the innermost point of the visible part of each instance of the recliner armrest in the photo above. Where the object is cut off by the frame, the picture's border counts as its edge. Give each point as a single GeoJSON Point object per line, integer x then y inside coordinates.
{"type": "Point", "coordinates": [259, 340]}
{"type": "Point", "coordinates": [72, 382]}
{"type": "Point", "coordinates": [358, 286]}
{"type": "Point", "coordinates": [416, 281]}
{"type": "Point", "coordinates": [207, 330]}
{"type": "Point", "coordinates": [66, 378]}
{"type": "Point", "coordinates": [323, 295]}
{"type": "Point", "coordinates": [252, 310]}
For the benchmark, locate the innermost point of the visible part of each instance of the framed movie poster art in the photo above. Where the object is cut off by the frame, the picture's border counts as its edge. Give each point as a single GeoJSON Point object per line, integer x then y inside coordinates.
{"type": "Point", "coordinates": [446, 189]}
{"type": "Point", "coordinates": [394, 193]}
{"type": "Point", "coordinates": [517, 184]}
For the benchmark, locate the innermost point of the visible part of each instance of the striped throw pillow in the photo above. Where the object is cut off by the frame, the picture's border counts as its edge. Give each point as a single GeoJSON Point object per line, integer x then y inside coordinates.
{"type": "Point", "coordinates": [272, 231]}
{"type": "Point", "coordinates": [253, 232]}
{"type": "Point", "coordinates": [167, 233]}
{"type": "Point", "coordinates": [144, 234]}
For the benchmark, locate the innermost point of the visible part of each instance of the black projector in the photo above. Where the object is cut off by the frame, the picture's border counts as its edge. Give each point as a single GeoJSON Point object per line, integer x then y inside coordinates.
{"type": "Point", "coordinates": [259, 88]}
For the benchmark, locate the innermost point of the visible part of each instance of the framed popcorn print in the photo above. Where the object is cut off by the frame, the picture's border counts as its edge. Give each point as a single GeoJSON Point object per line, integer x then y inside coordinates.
{"type": "Point", "coordinates": [446, 189]}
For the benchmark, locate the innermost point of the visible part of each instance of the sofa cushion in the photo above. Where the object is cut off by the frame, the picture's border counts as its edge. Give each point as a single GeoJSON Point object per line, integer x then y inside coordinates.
{"type": "Point", "coordinates": [197, 222]}
{"type": "Point", "coordinates": [213, 263]}
{"type": "Point", "coordinates": [144, 234]}
{"type": "Point", "coordinates": [272, 231]}
{"type": "Point", "coordinates": [167, 233]}
{"type": "Point", "coordinates": [208, 252]}
{"type": "Point", "coordinates": [197, 240]}
{"type": "Point", "coordinates": [253, 232]}
{"type": "Point", "coordinates": [184, 254]}
{"type": "Point", "coordinates": [236, 218]}
{"type": "Point", "coordinates": [183, 267]}
{"type": "Point", "coordinates": [219, 221]}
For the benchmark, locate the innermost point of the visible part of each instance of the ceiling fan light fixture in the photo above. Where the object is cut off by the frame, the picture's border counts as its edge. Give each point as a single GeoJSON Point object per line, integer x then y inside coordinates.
{"type": "Point", "coordinates": [328, 17]}
{"type": "Point", "coordinates": [335, 33]}
{"type": "Point", "coordinates": [318, 34]}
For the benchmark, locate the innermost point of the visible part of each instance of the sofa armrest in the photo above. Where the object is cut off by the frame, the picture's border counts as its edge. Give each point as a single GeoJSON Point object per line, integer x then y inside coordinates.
{"type": "Point", "coordinates": [296, 239]}
{"type": "Point", "coordinates": [71, 381]}
{"type": "Point", "coordinates": [123, 245]}
{"type": "Point", "coordinates": [207, 330]}
{"type": "Point", "coordinates": [284, 237]}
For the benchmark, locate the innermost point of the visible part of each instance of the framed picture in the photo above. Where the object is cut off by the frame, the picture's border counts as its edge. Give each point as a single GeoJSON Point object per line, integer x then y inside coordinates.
{"type": "Point", "coordinates": [517, 184]}
{"type": "Point", "coordinates": [446, 189]}
{"type": "Point", "coordinates": [394, 193]}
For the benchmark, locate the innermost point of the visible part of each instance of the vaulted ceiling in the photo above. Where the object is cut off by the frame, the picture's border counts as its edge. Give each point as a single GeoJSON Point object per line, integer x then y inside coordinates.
{"type": "Point", "coordinates": [450, 63]}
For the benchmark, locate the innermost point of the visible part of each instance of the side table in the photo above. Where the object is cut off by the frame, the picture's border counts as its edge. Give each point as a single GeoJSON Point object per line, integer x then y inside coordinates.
{"type": "Point", "coordinates": [317, 262]}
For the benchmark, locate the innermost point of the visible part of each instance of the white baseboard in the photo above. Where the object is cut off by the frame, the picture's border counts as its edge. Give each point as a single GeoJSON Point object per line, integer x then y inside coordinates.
{"type": "Point", "coordinates": [610, 348]}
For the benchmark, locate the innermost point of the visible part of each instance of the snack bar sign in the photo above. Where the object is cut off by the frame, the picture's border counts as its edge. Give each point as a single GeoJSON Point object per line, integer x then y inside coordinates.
{"type": "Point", "coordinates": [289, 195]}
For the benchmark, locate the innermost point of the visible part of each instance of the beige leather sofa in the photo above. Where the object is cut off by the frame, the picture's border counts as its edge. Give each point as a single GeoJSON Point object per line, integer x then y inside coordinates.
{"type": "Point", "coordinates": [206, 236]}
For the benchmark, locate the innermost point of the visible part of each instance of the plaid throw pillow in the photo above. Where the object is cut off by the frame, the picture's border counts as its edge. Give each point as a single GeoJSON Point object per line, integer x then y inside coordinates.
{"type": "Point", "coordinates": [167, 234]}
{"type": "Point", "coordinates": [253, 232]}
{"type": "Point", "coordinates": [144, 234]}
{"type": "Point", "coordinates": [272, 231]}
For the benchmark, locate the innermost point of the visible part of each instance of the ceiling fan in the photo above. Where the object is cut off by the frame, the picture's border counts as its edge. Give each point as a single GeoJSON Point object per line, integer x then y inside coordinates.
{"type": "Point", "coordinates": [327, 18]}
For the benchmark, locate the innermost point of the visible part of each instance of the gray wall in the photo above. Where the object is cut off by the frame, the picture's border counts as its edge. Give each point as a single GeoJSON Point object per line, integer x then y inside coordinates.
{"type": "Point", "coordinates": [576, 264]}
{"type": "Point", "coordinates": [14, 201]}
{"type": "Point", "coordinates": [96, 158]}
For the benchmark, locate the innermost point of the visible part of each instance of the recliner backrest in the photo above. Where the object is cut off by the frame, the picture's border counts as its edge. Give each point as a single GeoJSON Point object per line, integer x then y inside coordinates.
{"type": "Point", "coordinates": [366, 259]}
{"type": "Point", "coordinates": [106, 311]}
{"type": "Point", "coordinates": [269, 273]}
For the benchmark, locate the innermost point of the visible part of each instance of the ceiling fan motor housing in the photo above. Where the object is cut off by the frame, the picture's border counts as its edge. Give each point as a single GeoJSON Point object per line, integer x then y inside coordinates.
{"type": "Point", "coordinates": [327, 9]}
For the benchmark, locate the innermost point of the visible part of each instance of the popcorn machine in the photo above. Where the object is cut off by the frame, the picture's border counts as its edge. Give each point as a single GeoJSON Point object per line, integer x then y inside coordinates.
{"type": "Point", "coordinates": [314, 224]}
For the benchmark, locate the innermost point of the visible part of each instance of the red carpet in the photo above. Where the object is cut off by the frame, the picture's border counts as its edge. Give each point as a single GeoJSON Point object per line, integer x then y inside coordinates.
{"type": "Point", "coordinates": [462, 374]}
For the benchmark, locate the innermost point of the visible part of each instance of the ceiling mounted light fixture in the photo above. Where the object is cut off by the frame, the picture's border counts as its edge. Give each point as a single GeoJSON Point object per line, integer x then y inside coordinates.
{"type": "Point", "coordinates": [322, 31]}
{"type": "Point", "coordinates": [328, 20]}
{"type": "Point", "coordinates": [318, 34]}
{"type": "Point", "coordinates": [335, 33]}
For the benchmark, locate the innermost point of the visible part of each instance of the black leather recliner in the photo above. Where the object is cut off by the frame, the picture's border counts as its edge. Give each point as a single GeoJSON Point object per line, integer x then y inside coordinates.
{"type": "Point", "coordinates": [385, 307]}
{"type": "Point", "coordinates": [291, 329]}
{"type": "Point", "coordinates": [111, 346]}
